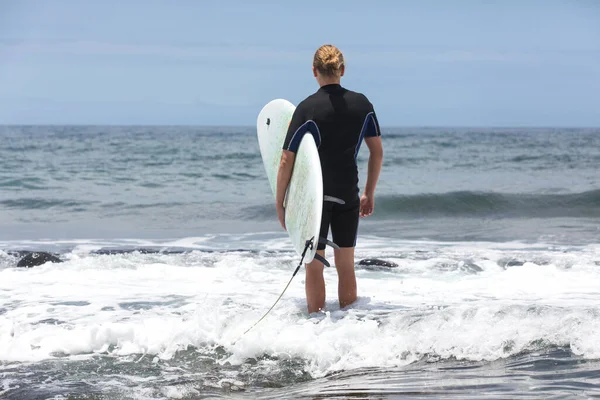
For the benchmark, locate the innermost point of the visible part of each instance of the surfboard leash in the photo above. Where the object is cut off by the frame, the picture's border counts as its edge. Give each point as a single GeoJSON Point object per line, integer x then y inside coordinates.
{"type": "Point", "coordinates": [309, 245]}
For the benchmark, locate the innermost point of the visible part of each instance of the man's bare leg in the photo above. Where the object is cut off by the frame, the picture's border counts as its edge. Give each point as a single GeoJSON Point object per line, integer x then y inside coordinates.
{"type": "Point", "coordinates": [315, 285]}
{"type": "Point", "coordinates": [344, 262]}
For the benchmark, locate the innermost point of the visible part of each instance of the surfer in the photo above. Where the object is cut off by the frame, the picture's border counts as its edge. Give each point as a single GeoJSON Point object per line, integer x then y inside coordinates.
{"type": "Point", "coordinates": [343, 119]}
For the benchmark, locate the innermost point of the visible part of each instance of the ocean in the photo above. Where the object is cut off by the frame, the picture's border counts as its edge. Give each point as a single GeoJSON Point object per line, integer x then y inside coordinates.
{"type": "Point", "coordinates": [171, 249]}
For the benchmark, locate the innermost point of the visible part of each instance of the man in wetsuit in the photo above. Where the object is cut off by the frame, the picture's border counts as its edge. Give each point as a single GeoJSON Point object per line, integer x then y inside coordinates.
{"type": "Point", "coordinates": [342, 119]}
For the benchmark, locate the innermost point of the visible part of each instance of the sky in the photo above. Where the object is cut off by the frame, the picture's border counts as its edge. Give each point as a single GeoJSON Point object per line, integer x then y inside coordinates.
{"type": "Point", "coordinates": [421, 63]}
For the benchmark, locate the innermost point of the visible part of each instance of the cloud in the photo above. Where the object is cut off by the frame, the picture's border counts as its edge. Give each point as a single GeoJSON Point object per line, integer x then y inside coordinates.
{"type": "Point", "coordinates": [269, 55]}
{"type": "Point", "coordinates": [39, 110]}
{"type": "Point", "coordinates": [188, 52]}
{"type": "Point", "coordinates": [443, 56]}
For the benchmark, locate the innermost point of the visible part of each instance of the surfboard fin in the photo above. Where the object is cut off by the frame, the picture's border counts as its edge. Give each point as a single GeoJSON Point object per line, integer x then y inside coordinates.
{"type": "Point", "coordinates": [329, 243]}
{"type": "Point", "coordinates": [324, 261]}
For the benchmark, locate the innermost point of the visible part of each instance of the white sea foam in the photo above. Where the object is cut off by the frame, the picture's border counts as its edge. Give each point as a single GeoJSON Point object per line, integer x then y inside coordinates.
{"type": "Point", "coordinates": [460, 300]}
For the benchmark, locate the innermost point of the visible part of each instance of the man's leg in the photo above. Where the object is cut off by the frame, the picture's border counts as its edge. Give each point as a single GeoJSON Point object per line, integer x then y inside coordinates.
{"type": "Point", "coordinates": [344, 262]}
{"type": "Point", "coordinates": [344, 228]}
{"type": "Point", "coordinates": [315, 285]}
{"type": "Point", "coordinates": [315, 282]}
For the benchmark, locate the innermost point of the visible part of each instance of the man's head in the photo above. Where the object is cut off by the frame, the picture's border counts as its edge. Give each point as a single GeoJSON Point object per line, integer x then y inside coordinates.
{"type": "Point", "coordinates": [328, 64]}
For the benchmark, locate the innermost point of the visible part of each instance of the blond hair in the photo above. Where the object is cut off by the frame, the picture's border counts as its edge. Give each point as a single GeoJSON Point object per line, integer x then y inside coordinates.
{"type": "Point", "coordinates": [329, 60]}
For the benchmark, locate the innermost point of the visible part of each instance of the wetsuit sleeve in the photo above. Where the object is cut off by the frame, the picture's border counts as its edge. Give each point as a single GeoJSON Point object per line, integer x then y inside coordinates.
{"type": "Point", "coordinates": [298, 120]}
{"type": "Point", "coordinates": [371, 125]}
{"type": "Point", "coordinates": [300, 125]}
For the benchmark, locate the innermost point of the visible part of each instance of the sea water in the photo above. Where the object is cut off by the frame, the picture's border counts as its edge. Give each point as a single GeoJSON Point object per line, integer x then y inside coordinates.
{"type": "Point", "coordinates": [171, 250]}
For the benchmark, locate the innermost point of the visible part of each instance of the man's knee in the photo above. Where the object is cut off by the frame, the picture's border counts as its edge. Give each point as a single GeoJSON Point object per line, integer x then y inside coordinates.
{"type": "Point", "coordinates": [344, 257]}
{"type": "Point", "coordinates": [316, 265]}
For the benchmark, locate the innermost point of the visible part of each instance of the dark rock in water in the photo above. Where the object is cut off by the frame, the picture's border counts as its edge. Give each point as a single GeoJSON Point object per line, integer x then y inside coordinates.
{"type": "Point", "coordinates": [37, 258]}
{"type": "Point", "coordinates": [470, 266]}
{"type": "Point", "coordinates": [510, 262]}
{"type": "Point", "coordinates": [375, 262]}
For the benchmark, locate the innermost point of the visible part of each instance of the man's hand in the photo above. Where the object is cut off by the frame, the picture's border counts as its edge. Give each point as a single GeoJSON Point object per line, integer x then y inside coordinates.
{"type": "Point", "coordinates": [367, 204]}
{"type": "Point", "coordinates": [281, 215]}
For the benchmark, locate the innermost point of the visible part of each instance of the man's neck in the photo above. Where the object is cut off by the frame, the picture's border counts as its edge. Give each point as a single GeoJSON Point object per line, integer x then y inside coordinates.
{"type": "Point", "coordinates": [329, 81]}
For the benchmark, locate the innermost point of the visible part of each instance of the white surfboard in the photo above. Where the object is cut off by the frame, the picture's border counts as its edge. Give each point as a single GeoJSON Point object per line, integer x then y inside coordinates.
{"type": "Point", "coordinates": [304, 199]}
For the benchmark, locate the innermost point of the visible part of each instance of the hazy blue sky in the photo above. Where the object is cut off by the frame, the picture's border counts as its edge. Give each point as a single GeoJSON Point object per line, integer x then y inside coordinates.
{"type": "Point", "coordinates": [501, 63]}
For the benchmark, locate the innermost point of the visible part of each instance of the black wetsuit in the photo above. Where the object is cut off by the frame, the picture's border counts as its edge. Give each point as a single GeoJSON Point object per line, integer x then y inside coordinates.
{"type": "Point", "coordinates": [339, 119]}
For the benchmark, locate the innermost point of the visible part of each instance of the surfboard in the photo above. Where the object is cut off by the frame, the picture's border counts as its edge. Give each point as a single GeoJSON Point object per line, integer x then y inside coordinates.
{"type": "Point", "coordinates": [304, 199]}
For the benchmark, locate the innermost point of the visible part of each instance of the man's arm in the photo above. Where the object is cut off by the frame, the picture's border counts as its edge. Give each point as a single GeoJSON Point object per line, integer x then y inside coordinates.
{"type": "Point", "coordinates": [373, 141]}
{"type": "Point", "coordinates": [375, 161]}
{"type": "Point", "coordinates": [286, 166]}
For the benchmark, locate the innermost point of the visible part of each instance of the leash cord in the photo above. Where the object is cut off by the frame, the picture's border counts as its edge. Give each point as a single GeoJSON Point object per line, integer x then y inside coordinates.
{"type": "Point", "coordinates": [309, 244]}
